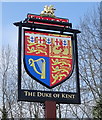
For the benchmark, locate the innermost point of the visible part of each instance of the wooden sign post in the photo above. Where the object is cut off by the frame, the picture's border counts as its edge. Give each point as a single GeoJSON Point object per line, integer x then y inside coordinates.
{"type": "Point", "coordinates": [50, 110]}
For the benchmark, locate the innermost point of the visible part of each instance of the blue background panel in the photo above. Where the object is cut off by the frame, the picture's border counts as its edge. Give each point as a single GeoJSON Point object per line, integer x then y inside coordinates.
{"type": "Point", "coordinates": [31, 71]}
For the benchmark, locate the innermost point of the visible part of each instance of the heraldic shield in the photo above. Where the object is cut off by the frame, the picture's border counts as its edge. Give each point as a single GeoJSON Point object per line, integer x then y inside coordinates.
{"type": "Point", "coordinates": [48, 57]}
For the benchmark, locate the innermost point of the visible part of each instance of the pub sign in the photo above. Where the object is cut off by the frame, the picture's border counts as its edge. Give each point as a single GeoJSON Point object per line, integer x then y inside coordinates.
{"type": "Point", "coordinates": [48, 47]}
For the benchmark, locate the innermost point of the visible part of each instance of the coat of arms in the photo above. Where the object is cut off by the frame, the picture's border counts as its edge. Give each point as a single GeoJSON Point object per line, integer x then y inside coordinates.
{"type": "Point", "coordinates": [48, 57]}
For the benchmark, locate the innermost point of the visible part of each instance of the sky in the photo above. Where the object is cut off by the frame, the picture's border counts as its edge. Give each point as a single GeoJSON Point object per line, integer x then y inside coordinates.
{"type": "Point", "coordinates": [11, 12]}
{"type": "Point", "coordinates": [17, 11]}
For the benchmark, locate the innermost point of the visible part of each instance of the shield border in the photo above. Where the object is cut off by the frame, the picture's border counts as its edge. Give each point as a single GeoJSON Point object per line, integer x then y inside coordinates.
{"type": "Point", "coordinates": [50, 87]}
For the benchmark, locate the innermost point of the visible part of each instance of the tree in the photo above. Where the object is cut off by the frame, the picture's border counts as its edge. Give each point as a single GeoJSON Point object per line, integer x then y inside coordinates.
{"type": "Point", "coordinates": [8, 75]}
{"type": "Point", "coordinates": [8, 71]}
{"type": "Point", "coordinates": [97, 110]}
{"type": "Point", "coordinates": [90, 60]}
{"type": "Point", "coordinates": [4, 113]}
{"type": "Point", "coordinates": [89, 50]}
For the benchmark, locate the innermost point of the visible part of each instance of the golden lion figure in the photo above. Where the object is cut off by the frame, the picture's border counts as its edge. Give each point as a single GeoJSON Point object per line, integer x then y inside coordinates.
{"type": "Point", "coordinates": [48, 10]}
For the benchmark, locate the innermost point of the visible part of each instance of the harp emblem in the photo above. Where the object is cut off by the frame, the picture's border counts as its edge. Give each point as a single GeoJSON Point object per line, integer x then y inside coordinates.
{"type": "Point", "coordinates": [48, 58]}
{"type": "Point", "coordinates": [32, 64]}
